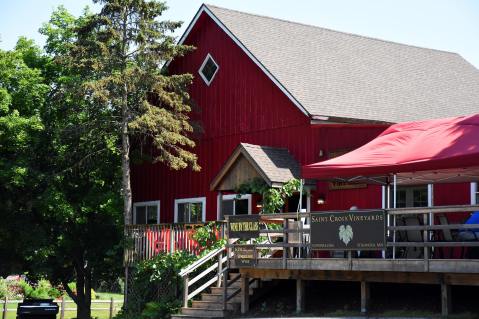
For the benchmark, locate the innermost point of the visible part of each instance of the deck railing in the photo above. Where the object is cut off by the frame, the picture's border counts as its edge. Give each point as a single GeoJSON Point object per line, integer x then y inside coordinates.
{"type": "Point", "coordinates": [146, 241]}
{"type": "Point", "coordinates": [432, 243]}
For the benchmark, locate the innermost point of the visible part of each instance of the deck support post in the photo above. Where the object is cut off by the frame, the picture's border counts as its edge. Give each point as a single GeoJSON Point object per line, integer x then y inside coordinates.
{"type": "Point", "coordinates": [365, 296]}
{"type": "Point", "coordinates": [299, 296]}
{"type": "Point", "coordinates": [244, 293]}
{"type": "Point", "coordinates": [446, 305]}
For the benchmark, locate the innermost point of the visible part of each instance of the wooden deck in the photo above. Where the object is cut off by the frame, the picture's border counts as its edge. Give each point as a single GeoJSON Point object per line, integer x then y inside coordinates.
{"type": "Point", "coordinates": [286, 253]}
{"type": "Point", "coordinates": [370, 265]}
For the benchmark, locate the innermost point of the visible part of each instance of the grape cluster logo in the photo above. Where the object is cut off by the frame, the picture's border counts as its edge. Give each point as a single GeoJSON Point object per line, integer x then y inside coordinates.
{"type": "Point", "coordinates": [345, 233]}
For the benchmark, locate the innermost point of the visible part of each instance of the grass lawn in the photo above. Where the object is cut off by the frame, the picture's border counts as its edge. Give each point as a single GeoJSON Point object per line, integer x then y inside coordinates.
{"type": "Point", "coordinates": [101, 314]}
{"type": "Point", "coordinates": [108, 295]}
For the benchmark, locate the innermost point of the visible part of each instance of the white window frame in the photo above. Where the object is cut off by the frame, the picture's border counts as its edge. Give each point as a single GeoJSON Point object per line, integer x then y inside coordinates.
{"type": "Point", "coordinates": [148, 203]}
{"type": "Point", "coordinates": [208, 56]}
{"type": "Point", "coordinates": [430, 195]}
{"type": "Point", "coordinates": [473, 193]}
{"type": "Point", "coordinates": [191, 200]}
{"type": "Point", "coordinates": [231, 197]}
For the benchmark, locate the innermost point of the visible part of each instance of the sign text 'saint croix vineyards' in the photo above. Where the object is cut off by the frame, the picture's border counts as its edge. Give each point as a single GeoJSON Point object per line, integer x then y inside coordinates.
{"type": "Point", "coordinates": [355, 230]}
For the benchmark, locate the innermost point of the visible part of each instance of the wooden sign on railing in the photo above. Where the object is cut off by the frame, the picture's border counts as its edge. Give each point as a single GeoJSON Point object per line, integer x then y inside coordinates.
{"type": "Point", "coordinates": [354, 230]}
{"type": "Point", "coordinates": [243, 226]}
{"type": "Point", "coordinates": [245, 255]}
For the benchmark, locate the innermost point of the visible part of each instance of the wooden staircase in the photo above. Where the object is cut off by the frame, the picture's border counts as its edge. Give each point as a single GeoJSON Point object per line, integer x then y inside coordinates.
{"type": "Point", "coordinates": [212, 291]}
{"type": "Point", "coordinates": [211, 303]}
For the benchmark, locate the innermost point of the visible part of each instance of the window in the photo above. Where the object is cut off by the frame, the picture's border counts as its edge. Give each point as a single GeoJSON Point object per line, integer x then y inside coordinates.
{"type": "Point", "coordinates": [208, 69]}
{"type": "Point", "coordinates": [293, 202]}
{"type": "Point", "coordinates": [233, 205]}
{"type": "Point", "coordinates": [146, 212]}
{"type": "Point", "coordinates": [190, 210]}
{"type": "Point", "coordinates": [410, 196]}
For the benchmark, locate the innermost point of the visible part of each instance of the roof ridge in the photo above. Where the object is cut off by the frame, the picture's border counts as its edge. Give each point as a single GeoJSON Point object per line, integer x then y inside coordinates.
{"type": "Point", "coordinates": [331, 30]}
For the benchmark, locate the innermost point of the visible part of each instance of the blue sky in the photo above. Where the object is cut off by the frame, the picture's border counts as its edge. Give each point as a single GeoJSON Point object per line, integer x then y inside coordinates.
{"type": "Point", "coordinates": [451, 25]}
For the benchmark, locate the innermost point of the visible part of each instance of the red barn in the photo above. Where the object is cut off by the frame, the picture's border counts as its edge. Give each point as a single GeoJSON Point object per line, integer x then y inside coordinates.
{"type": "Point", "coordinates": [275, 95]}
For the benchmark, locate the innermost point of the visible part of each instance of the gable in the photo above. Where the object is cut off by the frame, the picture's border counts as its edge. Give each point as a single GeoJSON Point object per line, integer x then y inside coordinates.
{"type": "Point", "coordinates": [205, 10]}
{"type": "Point", "coordinates": [275, 166]}
{"type": "Point", "coordinates": [241, 99]}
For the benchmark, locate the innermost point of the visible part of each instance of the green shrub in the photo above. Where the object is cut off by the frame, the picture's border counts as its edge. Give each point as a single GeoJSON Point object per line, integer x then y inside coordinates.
{"type": "Point", "coordinates": [41, 290]}
{"type": "Point", "coordinates": [3, 288]}
{"type": "Point", "coordinates": [155, 291]}
{"type": "Point", "coordinates": [26, 287]}
{"type": "Point", "coordinates": [160, 310]}
{"type": "Point", "coordinates": [206, 236]}
{"type": "Point", "coordinates": [18, 289]}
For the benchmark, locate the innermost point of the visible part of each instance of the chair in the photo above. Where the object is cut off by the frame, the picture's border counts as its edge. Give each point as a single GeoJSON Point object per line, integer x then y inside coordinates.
{"type": "Point", "coordinates": [446, 235]}
{"type": "Point", "coordinates": [413, 236]}
{"type": "Point", "coordinates": [294, 237]}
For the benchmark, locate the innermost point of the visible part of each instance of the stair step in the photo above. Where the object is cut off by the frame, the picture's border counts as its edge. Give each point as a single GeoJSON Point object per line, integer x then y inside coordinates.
{"type": "Point", "coordinates": [211, 313]}
{"type": "Point", "coordinates": [237, 284]}
{"type": "Point", "coordinates": [233, 306]}
{"type": "Point", "coordinates": [233, 275]}
{"type": "Point", "coordinates": [219, 298]}
{"type": "Point", "coordinates": [219, 290]}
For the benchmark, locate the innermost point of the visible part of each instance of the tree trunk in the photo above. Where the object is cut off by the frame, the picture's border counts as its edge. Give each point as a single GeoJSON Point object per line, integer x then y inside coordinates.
{"type": "Point", "coordinates": [125, 160]}
{"type": "Point", "coordinates": [83, 310]}
{"type": "Point", "coordinates": [83, 290]}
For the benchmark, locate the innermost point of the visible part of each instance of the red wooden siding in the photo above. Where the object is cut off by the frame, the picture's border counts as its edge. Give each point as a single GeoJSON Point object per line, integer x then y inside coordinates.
{"type": "Point", "coordinates": [243, 105]}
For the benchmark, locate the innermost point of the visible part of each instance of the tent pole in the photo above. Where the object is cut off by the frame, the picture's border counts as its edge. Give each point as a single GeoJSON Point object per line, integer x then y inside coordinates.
{"type": "Point", "coordinates": [395, 189]}
{"type": "Point", "coordinates": [300, 208]}
{"type": "Point", "coordinates": [430, 203]}
{"type": "Point", "coordinates": [300, 204]}
{"type": "Point", "coordinates": [394, 216]}
{"type": "Point", "coordinates": [388, 206]}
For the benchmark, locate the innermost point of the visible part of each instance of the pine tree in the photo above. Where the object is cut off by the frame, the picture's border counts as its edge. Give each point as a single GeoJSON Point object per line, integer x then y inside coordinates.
{"type": "Point", "coordinates": [118, 56]}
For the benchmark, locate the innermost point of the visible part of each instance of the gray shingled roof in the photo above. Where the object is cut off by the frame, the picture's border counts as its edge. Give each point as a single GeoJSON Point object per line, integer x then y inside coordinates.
{"type": "Point", "coordinates": [336, 74]}
{"type": "Point", "coordinates": [277, 164]}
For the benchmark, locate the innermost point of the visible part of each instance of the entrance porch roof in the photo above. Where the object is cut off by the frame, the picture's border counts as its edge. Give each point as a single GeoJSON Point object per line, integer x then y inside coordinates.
{"type": "Point", "coordinates": [275, 166]}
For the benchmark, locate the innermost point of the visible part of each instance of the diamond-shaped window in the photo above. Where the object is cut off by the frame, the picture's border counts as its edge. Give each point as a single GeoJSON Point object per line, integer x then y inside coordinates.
{"type": "Point", "coordinates": [208, 69]}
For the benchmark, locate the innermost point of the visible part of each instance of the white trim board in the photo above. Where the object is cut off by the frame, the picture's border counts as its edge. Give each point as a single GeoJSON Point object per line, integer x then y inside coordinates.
{"type": "Point", "coordinates": [220, 24]}
{"type": "Point", "coordinates": [231, 197]}
{"type": "Point", "coordinates": [191, 200]}
{"type": "Point", "coordinates": [473, 193]}
{"type": "Point", "coordinates": [148, 203]}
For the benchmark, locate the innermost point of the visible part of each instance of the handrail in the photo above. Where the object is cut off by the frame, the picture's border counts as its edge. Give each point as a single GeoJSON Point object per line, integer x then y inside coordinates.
{"type": "Point", "coordinates": [164, 224]}
{"type": "Point", "coordinates": [432, 209]}
{"type": "Point", "coordinates": [190, 268]}
{"type": "Point", "coordinates": [218, 266]}
{"type": "Point", "coordinates": [435, 227]}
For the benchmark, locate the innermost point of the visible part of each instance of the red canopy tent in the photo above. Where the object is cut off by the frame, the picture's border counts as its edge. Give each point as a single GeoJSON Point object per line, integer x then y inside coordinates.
{"type": "Point", "coordinates": [443, 150]}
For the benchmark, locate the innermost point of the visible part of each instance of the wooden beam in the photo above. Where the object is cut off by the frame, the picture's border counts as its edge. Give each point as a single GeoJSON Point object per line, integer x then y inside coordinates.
{"type": "Point", "coordinates": [244, 293]}
{"type": "Point", "coordinates": [434, 209]}
{"type": "Point", "coordinates": [365, 296]}
{"type": "Point", "coordinates": [446, 305]}
{"type": "Point", "coordinates": [368, 276]}
{"type": "Point", "coordinates": [371, 265]}
{"type": "Point", "coordinates": [300, 296]}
